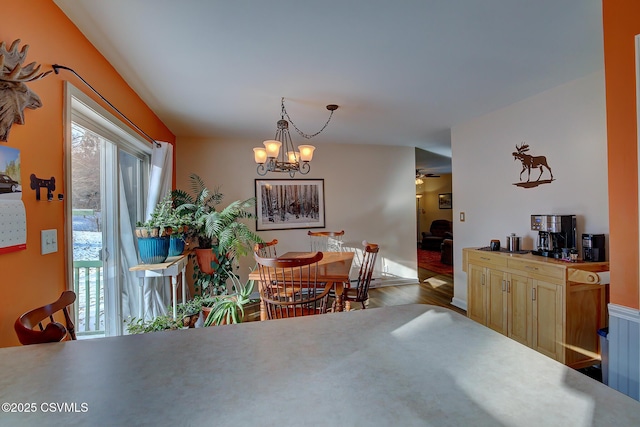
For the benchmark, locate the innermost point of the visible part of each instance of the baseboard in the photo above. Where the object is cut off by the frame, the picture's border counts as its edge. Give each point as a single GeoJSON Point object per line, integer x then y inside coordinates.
{"type": "Point", "coordinates": [461, 304]}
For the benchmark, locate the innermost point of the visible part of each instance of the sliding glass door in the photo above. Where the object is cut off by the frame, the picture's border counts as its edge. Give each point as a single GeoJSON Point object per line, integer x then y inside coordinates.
{"type": "Point", "coordinates": [107, 180]}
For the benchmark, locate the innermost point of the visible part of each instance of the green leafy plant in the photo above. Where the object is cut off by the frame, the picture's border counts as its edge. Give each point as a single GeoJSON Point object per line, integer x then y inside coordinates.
{"type": "Point", "coordinates": [228, 309]}
{"type": "Point", "coordinates": [160, 323]}
{"type": "Point", "coordinates": [162, 220]}
{"type": "Point", "coordinates": [222, 231]}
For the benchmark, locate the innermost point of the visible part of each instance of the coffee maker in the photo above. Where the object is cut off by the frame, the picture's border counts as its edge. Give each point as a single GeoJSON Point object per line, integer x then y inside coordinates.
{"type": "Point", "coordinates": [557, 235]}
{"type": "Point", "coordinates": [593, 247]}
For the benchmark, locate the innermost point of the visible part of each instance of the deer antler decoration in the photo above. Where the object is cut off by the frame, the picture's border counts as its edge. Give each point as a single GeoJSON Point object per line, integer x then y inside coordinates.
{"type": "Point", "coordinates": [523, 148]}
{"type": "Point", "coordinates": [15, 96]}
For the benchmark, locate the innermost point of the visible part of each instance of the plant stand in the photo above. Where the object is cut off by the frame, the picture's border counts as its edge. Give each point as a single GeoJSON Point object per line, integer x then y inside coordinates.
{"type": "Point", "coordinates": [170, 268]}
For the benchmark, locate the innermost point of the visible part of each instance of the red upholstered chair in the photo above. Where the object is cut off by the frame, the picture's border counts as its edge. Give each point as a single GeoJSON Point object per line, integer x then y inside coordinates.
{"type": "Point", "coordinates": [440, 229]}
{"type": "Point", "coordinates": [53, 331]}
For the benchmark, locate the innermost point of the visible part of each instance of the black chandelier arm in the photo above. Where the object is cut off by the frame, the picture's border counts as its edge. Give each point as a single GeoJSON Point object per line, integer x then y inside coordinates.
{"type": "Point", "coordinates": [262, 170]}
{"type": "Point", "coordinates": [57, 68]}
{"type": "Point", "coordinates": [305, 168]}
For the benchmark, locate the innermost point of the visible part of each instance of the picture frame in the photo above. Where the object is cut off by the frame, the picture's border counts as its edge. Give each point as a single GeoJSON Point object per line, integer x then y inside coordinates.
{"type": "Point", "coordinates": [444, 201]}
{"type": "Point", "coordinates": [284, 204]}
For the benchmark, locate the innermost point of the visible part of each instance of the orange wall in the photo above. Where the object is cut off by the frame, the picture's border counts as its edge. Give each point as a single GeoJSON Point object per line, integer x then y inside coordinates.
{"type": "Point", "coordinates": [621, 22]}
{"type": "Point", "coordinates": [30, 279]}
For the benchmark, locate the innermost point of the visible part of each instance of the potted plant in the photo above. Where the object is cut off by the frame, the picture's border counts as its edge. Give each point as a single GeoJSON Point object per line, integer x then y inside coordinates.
{"type": "Point", "coordinates": [221, 236]}
{"type": "Point", "coordinates": [228, 309]}
{"type": "Point", "coordinates": [153, 234]}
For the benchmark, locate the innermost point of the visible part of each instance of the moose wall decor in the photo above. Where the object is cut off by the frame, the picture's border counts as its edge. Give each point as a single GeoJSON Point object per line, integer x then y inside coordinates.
{"type": "Point", "coordinates": [15, 96]}
{"type": "Point", "coordinates": [531, 162]}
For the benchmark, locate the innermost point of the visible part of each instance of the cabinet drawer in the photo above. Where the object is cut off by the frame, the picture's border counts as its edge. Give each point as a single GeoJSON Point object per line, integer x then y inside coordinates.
{"type": "Point", "coordinates": [481, 257]}
{"type": "Point", "coordinates": [548, 270]}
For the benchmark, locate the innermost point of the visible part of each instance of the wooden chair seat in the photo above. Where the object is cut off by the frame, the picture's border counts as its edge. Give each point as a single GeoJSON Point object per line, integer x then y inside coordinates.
{"type": "Point", "coordinates": [53, 331]}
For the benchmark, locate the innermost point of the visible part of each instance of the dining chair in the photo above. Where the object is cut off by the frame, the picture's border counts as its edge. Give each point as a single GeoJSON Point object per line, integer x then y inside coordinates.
{"type": "Point", "coordinates": [289, 286]}
{"type": "Point", "coordinates": [326, 241]}
{"type": "Point", "coordinates": [360, 292]}
{"type": "Point", "coordinates": [53, 331]}
{"type": "Point", "coordinates": [266, 249]}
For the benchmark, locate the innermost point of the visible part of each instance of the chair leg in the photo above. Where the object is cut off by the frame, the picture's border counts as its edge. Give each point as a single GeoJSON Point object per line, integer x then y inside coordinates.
{"type": "Point", "coordinates": [363, 306]}
{"type": "Point", "coordinates": [347, 306]}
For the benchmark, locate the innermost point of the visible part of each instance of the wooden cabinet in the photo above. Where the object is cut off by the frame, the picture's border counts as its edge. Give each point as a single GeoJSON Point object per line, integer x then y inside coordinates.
{"type": "Point", "coordinates": [536, 302]}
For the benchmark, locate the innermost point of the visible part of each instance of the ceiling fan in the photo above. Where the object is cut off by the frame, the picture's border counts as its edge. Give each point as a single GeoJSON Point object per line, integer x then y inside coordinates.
{"type": "Point", "coordinates": [420, 175]}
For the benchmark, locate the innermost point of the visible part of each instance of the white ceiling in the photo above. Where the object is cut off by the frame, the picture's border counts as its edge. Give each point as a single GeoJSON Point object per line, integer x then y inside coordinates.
{"type": "Point", "coordinates": [403, 72]}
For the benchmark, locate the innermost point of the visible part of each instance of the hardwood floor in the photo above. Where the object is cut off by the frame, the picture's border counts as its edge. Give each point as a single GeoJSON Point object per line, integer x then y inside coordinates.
{"type": "Point", "coordinates": [437, 290]}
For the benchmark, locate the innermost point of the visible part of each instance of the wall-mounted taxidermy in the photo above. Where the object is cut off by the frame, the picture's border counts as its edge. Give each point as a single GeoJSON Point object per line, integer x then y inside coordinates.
{"type": "Point", "coordinates": [15, 96]}
{"type": "Point", "coordinates": [531, 162]}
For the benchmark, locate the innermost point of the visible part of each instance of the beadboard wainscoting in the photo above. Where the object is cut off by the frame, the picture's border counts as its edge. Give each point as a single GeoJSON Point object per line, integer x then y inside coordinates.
{"type": "Point", "coordinates": [624, 350]}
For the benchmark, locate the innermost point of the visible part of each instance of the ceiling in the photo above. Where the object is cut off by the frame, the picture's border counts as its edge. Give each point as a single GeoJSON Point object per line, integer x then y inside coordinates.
{"type": "Point", "coordinates": [403, 72]}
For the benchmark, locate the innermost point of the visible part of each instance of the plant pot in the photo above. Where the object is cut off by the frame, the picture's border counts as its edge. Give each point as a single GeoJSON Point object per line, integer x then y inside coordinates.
{"type": "Point", "coordinates": [176, 245]}
{"type": "Point", "coordinates": [153, 250]}
{"type": "Point", "coordinates": [205, 257]}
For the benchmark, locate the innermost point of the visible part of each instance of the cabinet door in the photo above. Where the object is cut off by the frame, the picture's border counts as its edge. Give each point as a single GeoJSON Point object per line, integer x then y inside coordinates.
{"type": "Point", "coordinates": [547, 319]}
{"type": "Point", "coordinates": [476, 295]}
{"type": "Point", "coordinates": [496, 284]}
{"type": "Point", "coordinates": [520, 307]}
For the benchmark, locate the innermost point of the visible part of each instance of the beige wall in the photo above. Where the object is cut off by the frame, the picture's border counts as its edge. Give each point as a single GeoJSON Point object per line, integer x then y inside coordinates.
{"type": "Point", "coordinates": [369, 192]}
{"type": "Point", "coordinates": [567, 125]}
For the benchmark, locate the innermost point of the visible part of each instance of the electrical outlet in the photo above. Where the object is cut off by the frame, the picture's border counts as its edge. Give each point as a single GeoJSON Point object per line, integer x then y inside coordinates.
{"type": "Point", "coordinates": [49, 241]}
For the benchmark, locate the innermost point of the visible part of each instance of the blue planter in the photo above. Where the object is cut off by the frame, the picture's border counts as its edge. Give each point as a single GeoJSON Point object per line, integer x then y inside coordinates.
{"type": "Point", "coordinates": [153, 250]}
{"type": "Point", "coordinates": [176, 245]}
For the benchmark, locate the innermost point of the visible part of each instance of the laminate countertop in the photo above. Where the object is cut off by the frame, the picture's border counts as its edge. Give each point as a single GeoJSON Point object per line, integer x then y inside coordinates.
{"type": "Point", "coordinates": [402, 365]}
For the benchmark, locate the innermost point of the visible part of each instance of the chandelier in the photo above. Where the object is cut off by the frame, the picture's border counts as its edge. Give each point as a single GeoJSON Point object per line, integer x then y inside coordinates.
{"type": "Point", "coordinates": [280, 154]}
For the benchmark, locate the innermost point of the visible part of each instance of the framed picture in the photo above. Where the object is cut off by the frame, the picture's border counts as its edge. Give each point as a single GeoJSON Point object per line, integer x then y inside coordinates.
{"type": "Point", "coordinates": [283, 204]}
{"type": "Point", "coordinates": [444, 200]}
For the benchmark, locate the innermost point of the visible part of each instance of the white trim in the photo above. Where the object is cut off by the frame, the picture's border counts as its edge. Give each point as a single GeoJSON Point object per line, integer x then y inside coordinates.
{"type": "Point", "coordinates": [626, 313]}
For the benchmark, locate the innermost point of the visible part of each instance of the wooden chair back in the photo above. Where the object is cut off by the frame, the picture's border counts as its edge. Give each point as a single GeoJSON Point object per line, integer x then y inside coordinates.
{"type": "Point", "coordinates": [53, 331]}
{"type": "Point", "coordinates": [360, 292]}
{"type": "Point", "coordinates": [289, 286]}
{"type": "Point", "coordinates": [326, 241]}
{"type": "Point", "coordinates": [266, 249]}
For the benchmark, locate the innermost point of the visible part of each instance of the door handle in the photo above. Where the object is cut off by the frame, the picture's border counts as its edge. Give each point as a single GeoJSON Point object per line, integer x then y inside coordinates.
{"type": "Point", "coordinates": [533, 294]}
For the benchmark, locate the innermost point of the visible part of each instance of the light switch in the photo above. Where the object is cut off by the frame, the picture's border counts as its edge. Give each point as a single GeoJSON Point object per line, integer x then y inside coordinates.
{"type": "Point", "coordinates": [461, 216]}
{"type": "Point", "coordinates": [49, 241]}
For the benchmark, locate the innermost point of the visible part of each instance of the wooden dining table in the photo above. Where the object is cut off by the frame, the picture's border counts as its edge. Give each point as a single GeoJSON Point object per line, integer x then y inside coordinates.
{"type": "Point", "coordinates": [334, 267]}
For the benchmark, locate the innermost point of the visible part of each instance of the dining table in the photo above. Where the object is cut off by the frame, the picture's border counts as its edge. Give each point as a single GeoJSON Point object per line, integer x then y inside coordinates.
{"type": "Point", "coordinates": [406, 365]}
{"type": "Point", "coordinates": [334, 267]}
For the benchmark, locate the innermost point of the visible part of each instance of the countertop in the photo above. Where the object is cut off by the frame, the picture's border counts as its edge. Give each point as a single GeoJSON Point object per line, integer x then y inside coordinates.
{"type": "Point", "coordinates": [402, 365]}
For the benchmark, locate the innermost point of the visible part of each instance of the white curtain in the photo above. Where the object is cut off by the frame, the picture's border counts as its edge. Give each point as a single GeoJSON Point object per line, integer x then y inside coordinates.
{"type": "Point", "coordinates": [157, 291]}
{"type": "Point", "coordinates": [157, 294]}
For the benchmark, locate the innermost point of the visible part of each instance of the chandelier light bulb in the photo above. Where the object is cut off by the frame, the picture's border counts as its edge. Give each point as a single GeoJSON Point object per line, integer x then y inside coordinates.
{"type": "Point", "coordinates": [293, 156]}
{"type": "Point", "coordinates": [306, 152]}
{"type": "Point", "coordinates": [260, 155]}
{"type": "Point", "coordinates": [272, 147]}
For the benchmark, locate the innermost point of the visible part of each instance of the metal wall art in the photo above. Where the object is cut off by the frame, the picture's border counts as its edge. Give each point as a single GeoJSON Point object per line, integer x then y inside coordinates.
{"type": "Point", "coordinates": [15, 96]}
{"type": "Point", "coordinates": [531, 162]}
